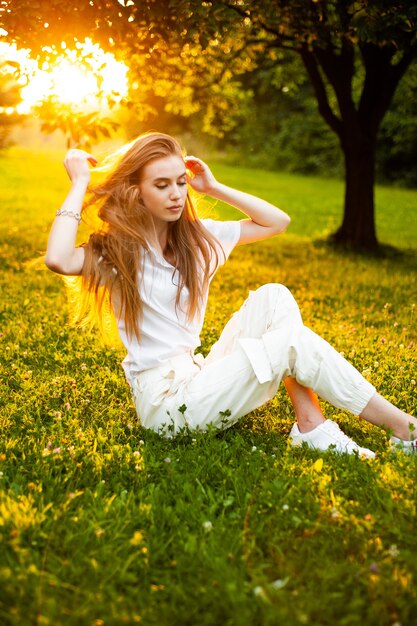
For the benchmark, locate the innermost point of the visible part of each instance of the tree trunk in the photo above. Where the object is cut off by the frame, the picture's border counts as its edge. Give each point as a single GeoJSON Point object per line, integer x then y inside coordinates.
{"type": "Point", "coordinates": [358, 227]}
{"type": "Point", "coordinates": [356, 124]}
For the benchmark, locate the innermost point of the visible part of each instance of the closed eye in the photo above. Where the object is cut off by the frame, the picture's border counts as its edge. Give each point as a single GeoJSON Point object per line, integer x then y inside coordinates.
{"type": "Point", "coordinates": [165, 185]}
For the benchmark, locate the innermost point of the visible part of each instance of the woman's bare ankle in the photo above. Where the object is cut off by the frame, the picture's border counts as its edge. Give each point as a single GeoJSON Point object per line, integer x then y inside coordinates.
{"type": "Point", "coordinates": [406, 433]}
{"type": "Point", "coordinates": [307, 423]}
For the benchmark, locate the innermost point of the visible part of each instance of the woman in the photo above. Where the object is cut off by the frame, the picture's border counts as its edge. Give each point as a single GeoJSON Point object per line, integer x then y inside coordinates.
{"type": "Point", "coordinates": [153, 260]}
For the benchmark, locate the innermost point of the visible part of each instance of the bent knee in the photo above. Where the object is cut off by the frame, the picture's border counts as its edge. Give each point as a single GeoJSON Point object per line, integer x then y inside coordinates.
{"type": "Point", "coordinates": [276, 291]}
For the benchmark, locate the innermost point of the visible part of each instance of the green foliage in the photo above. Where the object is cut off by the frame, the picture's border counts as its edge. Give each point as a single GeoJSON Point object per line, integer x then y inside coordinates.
{"type": "Point", "coordinates": [80, 129]}
{"type": "Point", "coordinates": [288, 133]}
{"type": "Point", "coordinates": [103, 523]}
{"type": "Point", "coordinates": [397, 151]}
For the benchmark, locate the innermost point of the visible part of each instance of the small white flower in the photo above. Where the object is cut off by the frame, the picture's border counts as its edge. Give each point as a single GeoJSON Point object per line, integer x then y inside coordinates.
{"type": "Point", "coordinates": [208, 526]}
{"type": "Point", "coordinates": [285, 507]}
{"type": "Point", "coordinates": [259, 592]}
{"type": "Point", "coordinates": [280, 583]}
{"type": "Point", "coordinates": [254, 448]}
{"type": "Point", "coordinates": [393, 551]}
{"type": "Point", "coordinates": [167, 460]}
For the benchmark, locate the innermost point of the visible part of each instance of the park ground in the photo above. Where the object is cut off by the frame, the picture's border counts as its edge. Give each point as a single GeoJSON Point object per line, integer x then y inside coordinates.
{"type": "Point", "coordinates": [103, 523]}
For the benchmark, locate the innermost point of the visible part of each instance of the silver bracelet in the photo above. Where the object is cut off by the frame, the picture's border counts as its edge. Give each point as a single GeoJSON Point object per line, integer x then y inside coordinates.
{"type": "Point", "coordinates": [66, 213]}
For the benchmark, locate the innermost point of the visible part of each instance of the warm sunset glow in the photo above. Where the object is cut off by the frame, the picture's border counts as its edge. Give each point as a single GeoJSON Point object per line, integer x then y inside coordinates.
{"type": "Point", "coordinates": [68, 82]}
{"type": "Point", "coordinates": [83, 76]}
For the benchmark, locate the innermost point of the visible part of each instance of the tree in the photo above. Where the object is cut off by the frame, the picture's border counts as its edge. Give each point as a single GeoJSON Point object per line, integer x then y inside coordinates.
{"type": "Point", "coordinates": [354, 52]}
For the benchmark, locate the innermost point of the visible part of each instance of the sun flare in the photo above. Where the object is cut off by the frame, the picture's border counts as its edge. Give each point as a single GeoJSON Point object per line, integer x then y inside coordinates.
{"type": "Point", "coordinates": [70, 83]}
{"type": "Point", "coordinates": [85, 76]}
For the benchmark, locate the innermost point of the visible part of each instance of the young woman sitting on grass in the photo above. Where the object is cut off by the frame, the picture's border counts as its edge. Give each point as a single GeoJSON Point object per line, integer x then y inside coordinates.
{"type": "Point", "coordinates": [153, 259]}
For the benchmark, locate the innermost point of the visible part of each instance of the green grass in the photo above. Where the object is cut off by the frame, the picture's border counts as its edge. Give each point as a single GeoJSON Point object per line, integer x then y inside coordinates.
{"type": "Point", "coordinates": [103, 523]}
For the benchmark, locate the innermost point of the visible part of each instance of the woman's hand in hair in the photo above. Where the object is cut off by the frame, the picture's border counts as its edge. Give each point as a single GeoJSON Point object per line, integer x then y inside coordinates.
{"type": "Point", "coordinates": [76, 163]}
{"type": "Point", "coordinates": [200, 176]}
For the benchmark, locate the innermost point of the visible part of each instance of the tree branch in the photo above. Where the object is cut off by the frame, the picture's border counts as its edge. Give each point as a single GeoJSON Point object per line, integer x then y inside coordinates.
{"type": "Point", "coordinates": [381, 81]}
{"type": "Point", "coordinates": [237, 9]}
{"type": "Point", "coordinates": [319, 87]}
{"type": "Point", "coordinates": [338, 67]}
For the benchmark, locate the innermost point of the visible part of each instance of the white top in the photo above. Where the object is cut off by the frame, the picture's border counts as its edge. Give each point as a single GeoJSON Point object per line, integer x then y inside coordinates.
{"type": "Point", "coordinates": [165, 331]}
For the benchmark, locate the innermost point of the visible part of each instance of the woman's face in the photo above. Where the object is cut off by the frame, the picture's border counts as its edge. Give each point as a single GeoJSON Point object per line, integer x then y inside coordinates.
{"type": "Point", "coordinates": [163, 189]}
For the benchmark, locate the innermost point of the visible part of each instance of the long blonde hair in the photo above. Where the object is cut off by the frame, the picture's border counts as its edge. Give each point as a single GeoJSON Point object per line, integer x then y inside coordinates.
{"type": "Point", "coordinates": [114, 253]}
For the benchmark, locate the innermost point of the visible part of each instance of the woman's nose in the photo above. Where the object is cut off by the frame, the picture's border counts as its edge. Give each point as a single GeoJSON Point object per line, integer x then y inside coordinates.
{"type": "Point", "coordinates": [175, 192]}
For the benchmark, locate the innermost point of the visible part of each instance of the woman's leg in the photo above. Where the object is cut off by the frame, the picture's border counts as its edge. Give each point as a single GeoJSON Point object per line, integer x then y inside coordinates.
{"type": "Point", "coordinates": [306, 405]}
{"type": "Point", "coordinates": [380, 412]}
{"type": "Point", "coordinates": [306, 362]}
{"type": "Point", "coordinates": [266, 342]}
{"type": "Point", "coordinates": [266, 323]}
{"type": "Point", "coordinates": [312, 427]}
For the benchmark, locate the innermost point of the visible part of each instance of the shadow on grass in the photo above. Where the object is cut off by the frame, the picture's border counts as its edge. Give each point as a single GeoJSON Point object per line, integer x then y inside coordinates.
{"type": "Point", "coordinates": [384, 251]}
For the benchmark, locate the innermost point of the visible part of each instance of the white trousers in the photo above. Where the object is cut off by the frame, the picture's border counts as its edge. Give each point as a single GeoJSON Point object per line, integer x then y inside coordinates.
{"type": "Point", "coordinates": [262, 344]}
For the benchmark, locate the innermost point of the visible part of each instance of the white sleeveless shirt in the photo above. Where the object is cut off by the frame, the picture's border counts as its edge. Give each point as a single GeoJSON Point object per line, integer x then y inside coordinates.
{"type": "Point", "coordinates": [165, 330]}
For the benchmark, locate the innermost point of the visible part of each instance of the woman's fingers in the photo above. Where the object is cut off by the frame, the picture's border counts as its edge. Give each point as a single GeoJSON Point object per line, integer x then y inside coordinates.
{"type": "Point", "coordinates": [200, 176]}
{"type": "Point", "coordinates": [75, 153]}
{"type": "Point", "coordinates": [192, 159]}
{"type": "Point", "coordinates": [194, 164]}
{"type": "Point", "coordinates": [76, 163]}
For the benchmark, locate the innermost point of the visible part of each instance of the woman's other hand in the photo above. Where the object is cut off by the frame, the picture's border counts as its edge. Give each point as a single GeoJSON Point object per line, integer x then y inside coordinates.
{"type": "Point", "coordinates": [200, 178]}
{"type": "Point", "coordinates": [76, 163]}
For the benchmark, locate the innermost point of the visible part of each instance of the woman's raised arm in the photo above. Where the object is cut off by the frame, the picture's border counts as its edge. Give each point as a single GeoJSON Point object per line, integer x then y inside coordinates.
{"type": "Point", "coordinates": [62, 256]}
{"type": "Point", "coordinates": [266, 220]}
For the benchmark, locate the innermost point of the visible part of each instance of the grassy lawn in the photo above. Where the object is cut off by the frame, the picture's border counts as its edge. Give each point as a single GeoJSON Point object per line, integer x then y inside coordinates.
{"type": "Point", "coordinates": [103, 523]}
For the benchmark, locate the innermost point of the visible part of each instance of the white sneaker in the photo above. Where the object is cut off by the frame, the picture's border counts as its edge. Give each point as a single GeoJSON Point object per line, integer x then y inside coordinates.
{"type": "Point", "coordinates": [328, 436]}
{"type": "Point", "coordinates": [408, 447]}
